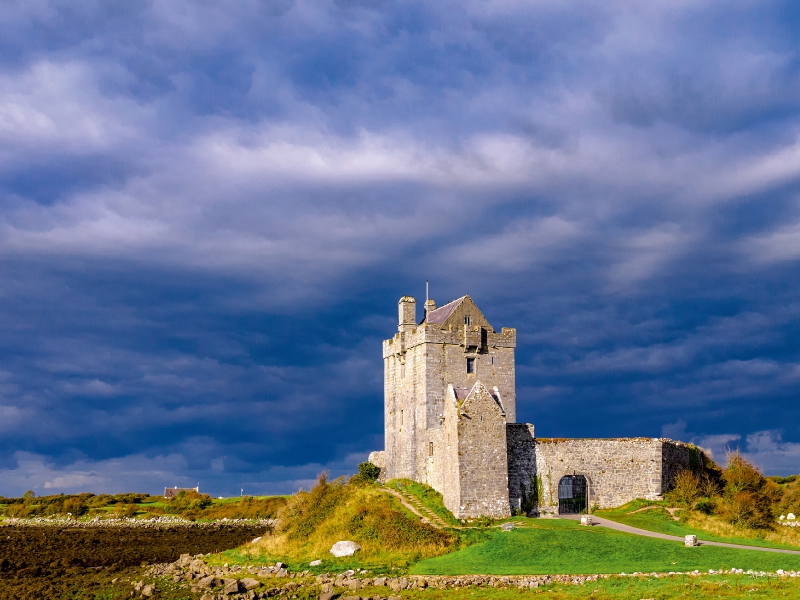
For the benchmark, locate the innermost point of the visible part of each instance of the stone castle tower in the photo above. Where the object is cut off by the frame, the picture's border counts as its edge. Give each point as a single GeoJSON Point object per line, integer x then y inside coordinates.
{"type": "Point", "coordinates": [450, 422]}
{"type": "Point", "coordinates": [449, 392]}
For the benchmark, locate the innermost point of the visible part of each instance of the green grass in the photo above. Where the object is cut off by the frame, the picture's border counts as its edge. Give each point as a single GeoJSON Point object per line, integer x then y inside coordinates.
{"type": "Point", "coordinates": [427, 496]}
{"type": "Point", "coordinates": [659, 520]}
{"type": "Point", "coordinates": [560, 546]}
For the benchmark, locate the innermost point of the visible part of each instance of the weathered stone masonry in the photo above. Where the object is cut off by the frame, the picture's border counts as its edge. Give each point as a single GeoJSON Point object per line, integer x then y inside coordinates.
{"type": "Point", "coordinates": [450, 422]}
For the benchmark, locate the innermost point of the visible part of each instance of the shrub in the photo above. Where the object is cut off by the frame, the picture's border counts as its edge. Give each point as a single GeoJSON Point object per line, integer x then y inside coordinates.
{"type": "Point", "coordinates": [747, 509]}
{"type": "Point", "coordinates": [687, 490]}
{"type": "Point", "coordinates": [367, 473]}
{"type": "Point", "coordinates": [75, 506]}
{"type": "Point", "coordinates": [748, 496]}
{"type": "Point", "coordinates": [740, 475]}
{"type": "Point", "coordinates": [707, 506]}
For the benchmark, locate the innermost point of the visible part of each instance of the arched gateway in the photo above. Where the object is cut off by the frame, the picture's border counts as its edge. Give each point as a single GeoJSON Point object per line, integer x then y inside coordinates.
{"type": "Point", "coordinates": [572, 495]}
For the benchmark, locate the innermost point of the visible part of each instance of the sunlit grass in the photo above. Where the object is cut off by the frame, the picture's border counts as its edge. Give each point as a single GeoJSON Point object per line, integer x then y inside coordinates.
{"type": "Point", "coordinates": [560, 546]}
{"type": "Point", "coordinates": [705, 527]}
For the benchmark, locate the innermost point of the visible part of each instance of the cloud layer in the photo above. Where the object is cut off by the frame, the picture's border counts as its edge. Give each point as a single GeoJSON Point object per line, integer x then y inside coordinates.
{"type": "Point", "coordinates": [210, 210]}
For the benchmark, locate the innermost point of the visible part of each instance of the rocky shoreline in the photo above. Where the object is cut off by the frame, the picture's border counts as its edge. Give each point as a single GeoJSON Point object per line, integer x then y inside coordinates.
{"type": "Point", "coordinates": [251, 582]}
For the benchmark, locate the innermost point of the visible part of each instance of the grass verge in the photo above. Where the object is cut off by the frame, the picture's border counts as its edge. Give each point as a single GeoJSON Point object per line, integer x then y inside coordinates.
{"type": "Point", "coordinates": [704, 527]}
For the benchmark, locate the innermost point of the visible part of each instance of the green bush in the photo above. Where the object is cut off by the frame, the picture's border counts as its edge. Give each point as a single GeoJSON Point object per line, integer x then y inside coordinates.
{"type": "Point", "coordinates": [367, 473]}
{"type": "Point", "coordinates": [748, 496]}
{"type": "Point", "coordinates": [687, 489]}
{"type": "Point", "coordinates": [75, 506]}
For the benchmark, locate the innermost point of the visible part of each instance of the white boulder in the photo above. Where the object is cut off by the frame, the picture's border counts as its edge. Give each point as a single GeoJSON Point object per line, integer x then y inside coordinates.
{"type": "Point", "coordinates": [344, 548]}
{"type": "Point", "coordinates": [315, 563]}
{"type": "Point", "coordinates": [690, 540]}
{"type": "Point", "coordinates": [790, 517]}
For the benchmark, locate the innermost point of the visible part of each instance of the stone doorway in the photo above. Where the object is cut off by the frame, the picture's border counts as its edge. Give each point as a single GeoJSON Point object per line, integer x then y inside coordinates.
{"type": "Point", "coordinates": [572, 495]}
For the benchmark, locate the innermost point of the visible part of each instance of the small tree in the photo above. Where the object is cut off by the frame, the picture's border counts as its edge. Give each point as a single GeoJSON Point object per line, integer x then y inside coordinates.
{"type": "Point", "coordinates": [748, 495]}
{"type": "Point", "coordinates": [687, 490]}
{"type": "Point", "coordinates": [75, 506]}
{"type": "Point", "coordinates": [740, 475]}
{"type": "Point", "coordinates": [367, 473]}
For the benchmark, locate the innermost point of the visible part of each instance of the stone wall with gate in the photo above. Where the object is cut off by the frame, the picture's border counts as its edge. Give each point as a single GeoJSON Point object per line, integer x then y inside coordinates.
{"type": "Point", "coordinates": [617, 470]}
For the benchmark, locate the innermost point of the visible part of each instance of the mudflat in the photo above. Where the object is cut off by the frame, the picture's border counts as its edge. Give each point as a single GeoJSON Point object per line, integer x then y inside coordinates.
{"type": "Point", "coordinates": [74, 562]}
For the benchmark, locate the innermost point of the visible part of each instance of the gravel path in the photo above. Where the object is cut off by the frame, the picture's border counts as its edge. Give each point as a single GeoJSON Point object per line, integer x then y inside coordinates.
{"type": "Point", "coordinates": [663, 536]}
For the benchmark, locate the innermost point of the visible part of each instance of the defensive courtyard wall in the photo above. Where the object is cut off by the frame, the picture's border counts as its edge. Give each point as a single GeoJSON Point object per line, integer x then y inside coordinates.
{"type": "Point", "coordinates": [616, 470]}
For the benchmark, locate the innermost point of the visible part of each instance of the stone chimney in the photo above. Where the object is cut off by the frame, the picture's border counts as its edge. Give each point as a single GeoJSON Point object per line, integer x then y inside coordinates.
{"type": "Point", "coordinates": [430, 306]}
{"type": "Point", "coordinates": [407, 309]}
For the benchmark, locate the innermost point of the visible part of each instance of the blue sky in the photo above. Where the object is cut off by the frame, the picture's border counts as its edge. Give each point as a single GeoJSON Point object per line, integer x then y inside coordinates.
{"type": "Point", "coordinates": [210, 210]}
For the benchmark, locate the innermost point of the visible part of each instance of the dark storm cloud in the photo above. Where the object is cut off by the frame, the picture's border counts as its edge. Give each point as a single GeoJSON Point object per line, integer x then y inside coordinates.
{"type": "Point", "coordinates": [210, 210]}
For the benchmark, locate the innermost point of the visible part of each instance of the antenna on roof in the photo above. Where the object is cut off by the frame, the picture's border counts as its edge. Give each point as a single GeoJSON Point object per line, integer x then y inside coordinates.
{"type": "Point", "coordinates": [426, 300]}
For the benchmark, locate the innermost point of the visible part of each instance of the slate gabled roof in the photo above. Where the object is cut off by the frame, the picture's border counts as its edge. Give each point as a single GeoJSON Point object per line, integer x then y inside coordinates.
{"type": "Point", "coordinates": [440, 315]}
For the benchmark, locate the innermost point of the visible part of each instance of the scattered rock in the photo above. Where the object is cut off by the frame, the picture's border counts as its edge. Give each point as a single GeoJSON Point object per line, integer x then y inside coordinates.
{"type": "Point", "coordinates": [507, 526]}
{"type": "Point", "coordinates": [231, 586]}
{"type": "Point", "coordinates": [690, 541]}
{"type": "Point", "coordinates": [326, 594]}
{"type": "Point", "coordinates": [586, 520]}
{"type": "Point", "coordinates": [255, 540]}
{"type": "Point", "coordinates": [315, 563]}
{"type": "Point", "coordinates": [344, 548]}
{"type": "Point", "coordinates": [249, 583]}
{"type": "Point", "coordinates": [148, 590]}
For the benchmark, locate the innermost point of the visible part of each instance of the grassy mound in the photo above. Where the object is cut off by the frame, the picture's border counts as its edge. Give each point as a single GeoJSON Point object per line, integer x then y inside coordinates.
{"type": "Point", "coordinates": [561, 546]}
{"type": "Point", "coordinates": [313, 521]}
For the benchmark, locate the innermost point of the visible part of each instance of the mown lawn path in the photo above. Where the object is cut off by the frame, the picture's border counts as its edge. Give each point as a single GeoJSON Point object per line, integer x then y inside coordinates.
{"type": "Point", "coordinates": [663, 536]}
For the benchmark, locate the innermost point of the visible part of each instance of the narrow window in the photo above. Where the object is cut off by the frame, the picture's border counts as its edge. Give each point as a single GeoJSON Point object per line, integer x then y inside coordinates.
{"type": "Point", "coordinates": [401, 417]}
{"type": "Point", "coordinates": [493, 360]}
{"type": "Point", "coordinates": [403, 370]}
{"type": "Point", "coordinates": [470, 365]}
{"type": "Point", "coordinates": [466, 320]}
{"type": "Point", "coordinates": [430, 448]}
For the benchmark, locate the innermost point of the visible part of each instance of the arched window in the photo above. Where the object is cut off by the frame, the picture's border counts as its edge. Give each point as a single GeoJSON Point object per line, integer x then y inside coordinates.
{"type": "Point", "coordinates": [572, 495]}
